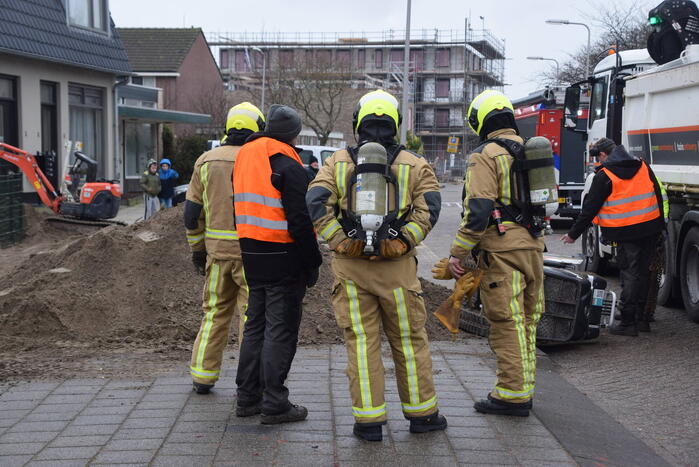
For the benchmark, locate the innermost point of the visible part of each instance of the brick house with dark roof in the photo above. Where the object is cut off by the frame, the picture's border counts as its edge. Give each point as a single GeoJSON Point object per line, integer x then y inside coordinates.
{"type": "Point", "coordinates": [176, 60]}
{"type": "Point", "coordinates": [60, 63]}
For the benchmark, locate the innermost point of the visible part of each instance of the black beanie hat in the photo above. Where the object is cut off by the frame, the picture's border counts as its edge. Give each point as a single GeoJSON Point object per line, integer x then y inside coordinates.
{"type": "Point", "coordinates": [283, 123]}
{"type": "Point", "coordinates": [605, 145]}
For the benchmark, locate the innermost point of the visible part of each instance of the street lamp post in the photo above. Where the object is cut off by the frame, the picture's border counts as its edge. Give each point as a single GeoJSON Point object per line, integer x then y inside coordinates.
{"type": "Point", "coordinates": [264, 69]}
{"type": "Point", "coordinates": [587, 52]}
{"type": "Point", "coordinates": [558, 68]}
{"type": "Point", "coordinates": [406, 59]}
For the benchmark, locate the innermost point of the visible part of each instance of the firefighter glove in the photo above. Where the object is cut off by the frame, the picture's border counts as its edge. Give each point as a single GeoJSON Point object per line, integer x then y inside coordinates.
{"type": "Point", "coordinates": [467, 284]}
{"type": "Point", "coordinates": [441, 270]}
{"type": "Point", "coordinates": [350, 247]}
{"type": "Point", "coordinates": [392, 248]}
{"type": "Point", "coordinates": [199, 261]}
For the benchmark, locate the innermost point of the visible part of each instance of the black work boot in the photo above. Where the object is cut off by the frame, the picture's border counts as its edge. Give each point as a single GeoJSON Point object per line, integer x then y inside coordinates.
{"type": "Point", "coordinates": [495, 406]}
{"type": "Point", "coordinates": [296, 413]}
{"type": "Point", "coordinates": [249, 411]}
{"type": "Point", "coordinates": [622, 329]}
{"type": "Point", "coordinates": [432, 422]}
{"type": "Point", "coordinates": [369, 431]}
{"type": "Point", "coordinates": [201, 388]}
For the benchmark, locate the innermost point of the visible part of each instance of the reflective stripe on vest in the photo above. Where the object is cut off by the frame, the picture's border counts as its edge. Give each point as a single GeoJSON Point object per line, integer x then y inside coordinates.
{"type": "Point", "coordinates": [632, 201]}
{"type": "Point", "coordinates": [259, 213]}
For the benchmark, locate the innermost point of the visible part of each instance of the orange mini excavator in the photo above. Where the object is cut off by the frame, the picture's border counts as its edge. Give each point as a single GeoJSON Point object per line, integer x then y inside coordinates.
{"type": "Point", "coordinates": [98, 199]}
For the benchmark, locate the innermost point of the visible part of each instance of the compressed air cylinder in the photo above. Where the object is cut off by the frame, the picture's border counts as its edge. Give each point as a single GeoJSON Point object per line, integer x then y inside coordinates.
{"type": "Point", "coordinates": [542, 180]}
{"type": "Point", "coordinates": [371, 194]}
{"type": "Point", "coordinates": [370, 190]}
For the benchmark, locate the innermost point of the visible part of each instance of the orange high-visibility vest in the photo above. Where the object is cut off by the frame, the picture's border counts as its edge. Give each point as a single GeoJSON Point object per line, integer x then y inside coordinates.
{"type": "Point", "coordinates": [259, 214]}
{"type": "Point", "coordinates": [632, 201]}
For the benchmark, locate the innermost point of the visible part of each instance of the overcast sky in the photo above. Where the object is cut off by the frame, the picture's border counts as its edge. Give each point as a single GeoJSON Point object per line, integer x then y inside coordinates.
{"type": "Point", "coordinates": [519, 22]}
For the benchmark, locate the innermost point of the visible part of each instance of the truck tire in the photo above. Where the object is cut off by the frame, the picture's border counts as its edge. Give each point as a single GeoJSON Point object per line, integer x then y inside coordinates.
{"type": "Point", "coordinates": [669, 291]}
{"type": "Point", "coordinates": [594, 262]}
{"type": "Point", "coordinates": [689, 273]}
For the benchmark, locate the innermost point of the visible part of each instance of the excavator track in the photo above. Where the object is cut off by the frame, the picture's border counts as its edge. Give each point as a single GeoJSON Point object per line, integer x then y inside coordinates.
{"type": "Point", "coordinates": [96, 223]}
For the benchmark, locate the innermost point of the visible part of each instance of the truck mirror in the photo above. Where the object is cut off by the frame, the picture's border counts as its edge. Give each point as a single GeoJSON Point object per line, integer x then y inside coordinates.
{"type": "Point", "coordinates": [571, 106]}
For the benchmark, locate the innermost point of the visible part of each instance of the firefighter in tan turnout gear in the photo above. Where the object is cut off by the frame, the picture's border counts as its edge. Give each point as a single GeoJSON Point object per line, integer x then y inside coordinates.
{"type": "Point", "coordinates": [373, 204]}
{"type": "Point", "coordinates": [213, 239]}
{"type": "Point", "coordinates": [511, 247]}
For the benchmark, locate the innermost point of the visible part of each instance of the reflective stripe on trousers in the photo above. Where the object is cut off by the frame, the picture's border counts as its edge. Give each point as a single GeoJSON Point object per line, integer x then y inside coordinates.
{"type": "Point", "coordinates": [362, 359]}
{"type": "Point", "coordinates": [225, 294]}
{"type": "Point", "coordinates": [209, 317]}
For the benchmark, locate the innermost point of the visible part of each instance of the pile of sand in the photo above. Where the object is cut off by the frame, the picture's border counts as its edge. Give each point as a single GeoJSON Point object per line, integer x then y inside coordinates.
{"type": "Point", "coordinates": [134, 287]}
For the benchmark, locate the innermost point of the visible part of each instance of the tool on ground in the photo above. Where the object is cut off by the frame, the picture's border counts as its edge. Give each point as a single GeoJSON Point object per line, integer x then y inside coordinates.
{"type": "Point", "coordinates": [449, 312]}
{"type": "Point", "coordinates": [98, 199]}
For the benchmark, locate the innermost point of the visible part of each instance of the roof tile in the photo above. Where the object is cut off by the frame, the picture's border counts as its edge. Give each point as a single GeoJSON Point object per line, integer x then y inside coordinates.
{"type": "Point", "coordinates": [157, 49]}
{"type": "Point", "coordinates": [39, 28]}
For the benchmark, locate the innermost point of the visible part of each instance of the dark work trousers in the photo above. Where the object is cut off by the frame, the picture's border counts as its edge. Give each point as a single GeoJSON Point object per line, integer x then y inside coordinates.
{"type": "Point", "coordinates": [269, 343]}
{"type": "Point", "coordinates": [634, 258]}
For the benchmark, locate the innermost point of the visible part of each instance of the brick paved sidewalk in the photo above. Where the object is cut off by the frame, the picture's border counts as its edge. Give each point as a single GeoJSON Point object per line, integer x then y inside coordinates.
{"type": "Point", "coordinates": [162, 422]}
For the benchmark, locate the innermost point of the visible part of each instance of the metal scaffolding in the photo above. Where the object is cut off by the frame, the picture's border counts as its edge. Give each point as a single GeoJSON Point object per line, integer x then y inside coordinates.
{"type": "Point", "coordinates": [447, 68]}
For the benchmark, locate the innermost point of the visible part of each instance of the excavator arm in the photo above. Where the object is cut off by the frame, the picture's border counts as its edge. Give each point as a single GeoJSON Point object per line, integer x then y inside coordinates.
{"type": "Point", "coordinates": [27, 164]}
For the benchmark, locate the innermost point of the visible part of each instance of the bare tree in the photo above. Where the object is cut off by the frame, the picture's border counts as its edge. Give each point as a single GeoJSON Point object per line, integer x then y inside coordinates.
{"type": "Point", "coordinates": [315, 86]}
{"type": "Point", "coordinates": [214, 101]}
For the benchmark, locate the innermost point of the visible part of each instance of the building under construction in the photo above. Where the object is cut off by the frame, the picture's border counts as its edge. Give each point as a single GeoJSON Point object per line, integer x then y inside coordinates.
{"type": "Point", "coordinates": [447, 68]}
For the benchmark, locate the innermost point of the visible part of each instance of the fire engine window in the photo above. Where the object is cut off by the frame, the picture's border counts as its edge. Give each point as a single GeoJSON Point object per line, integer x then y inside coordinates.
{"type": "Point", "coordinates": [598, 105]}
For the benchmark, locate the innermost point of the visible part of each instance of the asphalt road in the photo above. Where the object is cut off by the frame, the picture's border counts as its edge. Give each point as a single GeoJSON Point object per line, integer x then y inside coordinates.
{"type": "Point", "coordinates": [650, 384]}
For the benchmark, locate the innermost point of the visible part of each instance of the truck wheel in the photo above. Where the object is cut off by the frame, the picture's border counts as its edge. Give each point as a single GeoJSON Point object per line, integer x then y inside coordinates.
{"type": "Point", "coordinates": [689, 273]}
{"type": "Point", "coordinates": [669, 291]}
{"type": "Point", "coordinates": [590, 249]}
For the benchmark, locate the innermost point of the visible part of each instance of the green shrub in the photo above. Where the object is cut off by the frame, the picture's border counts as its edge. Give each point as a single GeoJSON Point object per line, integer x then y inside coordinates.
{"type": "Point", "coordinates": [168, 141]}
{"type": "Point", "coordinates": [187, 150]}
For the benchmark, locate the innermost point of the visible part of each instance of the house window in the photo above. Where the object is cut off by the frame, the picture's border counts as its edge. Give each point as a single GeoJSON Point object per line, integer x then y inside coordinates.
{"type": "Point", "coordinates": [286, 58]}
{"type": "Point", "coordinates": [49, 117]}
{"type": "Point", "coordinates": [441, 118]}
{"type": "Point", "coordinates": [344, 58]}
{"type": "Point", "coordinates": [224, 59]}
{"type": "Point", "coordinates": [361, 59]}
{"type": "Point", "coordinates": [378, 59]}
{"type": "Point", "coordinates": [139, 146]}
{"type": "Point", "coordinates": [91, 14]}
{"type": "Point", "coordinates": [442, 88]}
{"type": "Point", "coordinates": [86, 109]}
{"type": "Point", "coordinates": [417, 59]}
{"type": "Point", "coordinates": [396, 57]}
{"type": "Point", "coordinates": [137, 80]}
{"type": "Point", "coordinates": [242, 61]}
{"type": "Point", "coordinates": [324, 57]}
{"type": "Point", "coordinates": [8, 110]}
{"type": "Point", "coordinates": [443, 57]}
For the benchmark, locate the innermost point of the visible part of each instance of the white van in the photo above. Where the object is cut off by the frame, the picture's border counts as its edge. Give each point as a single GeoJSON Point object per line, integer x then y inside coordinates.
{"type": "Point", "coordinates": [320, 152]}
